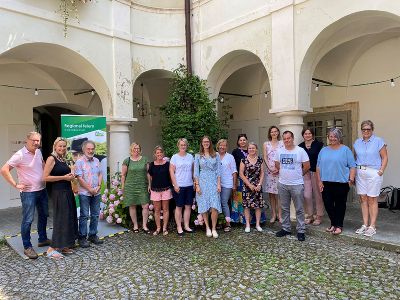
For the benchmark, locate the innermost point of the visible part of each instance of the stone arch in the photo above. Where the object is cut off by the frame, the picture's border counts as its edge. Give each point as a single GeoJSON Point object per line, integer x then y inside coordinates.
{"type": "Point", "coordinates": [227, 65]}
{"type": "Point", "coordinates": [44, 56]}
{"type": "Point", "coordinates": [346, 29]}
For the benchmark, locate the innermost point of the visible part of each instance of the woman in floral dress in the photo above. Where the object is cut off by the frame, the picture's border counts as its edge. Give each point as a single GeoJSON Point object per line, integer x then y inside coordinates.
{"type": "Point", "coordinates": [252, 173]}
{"type": "Point", "coordinates": [207, 180]}
{"type": "Point", "coordinates": [239, 153]}
{"type": "Point", "coordinates": [270, 184]}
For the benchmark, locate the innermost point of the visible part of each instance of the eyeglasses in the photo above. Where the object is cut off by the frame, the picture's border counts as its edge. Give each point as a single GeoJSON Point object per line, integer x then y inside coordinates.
{"type": "Point", "coordinates": [33, 140]}
{"type": "Point", "coordinates": [366, 129]}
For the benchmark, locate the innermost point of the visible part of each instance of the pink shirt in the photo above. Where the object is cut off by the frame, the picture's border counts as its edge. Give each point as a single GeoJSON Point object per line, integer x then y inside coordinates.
{"type": "Point", "coordinates": [29, 169]}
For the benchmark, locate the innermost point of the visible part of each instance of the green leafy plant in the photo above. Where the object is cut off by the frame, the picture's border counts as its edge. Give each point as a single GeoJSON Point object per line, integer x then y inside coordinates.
{"type": "Point", "coordinates": [189, 113]}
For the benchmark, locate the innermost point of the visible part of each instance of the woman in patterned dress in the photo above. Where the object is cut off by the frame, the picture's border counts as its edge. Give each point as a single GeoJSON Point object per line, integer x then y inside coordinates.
{"type": "Point", "coordinates": [270, 184]}
{"type": "Point", "coordinates": [239, 153]}
{"type": "Point", "coordinates": [251, 171]}
{"type": "Point", "coordinates": [134, 178]}
{"type": "Point", "coordinates": [207, 180]}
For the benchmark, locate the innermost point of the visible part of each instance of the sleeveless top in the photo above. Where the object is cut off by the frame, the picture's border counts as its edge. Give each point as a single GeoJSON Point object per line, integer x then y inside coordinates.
{"type": "Point", "coordinates": [60, 169]}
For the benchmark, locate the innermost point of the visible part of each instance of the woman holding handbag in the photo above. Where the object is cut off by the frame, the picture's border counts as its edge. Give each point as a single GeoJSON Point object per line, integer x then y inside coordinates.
{"type": "Point", "coordinates": [134, 178]}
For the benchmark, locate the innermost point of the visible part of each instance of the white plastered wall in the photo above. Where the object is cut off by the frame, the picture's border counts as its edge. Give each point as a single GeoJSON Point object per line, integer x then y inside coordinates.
{"type": "Point", "coordinates": [378, 103]}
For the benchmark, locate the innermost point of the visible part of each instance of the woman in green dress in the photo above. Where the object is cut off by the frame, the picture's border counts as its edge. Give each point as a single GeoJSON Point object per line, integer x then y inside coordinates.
{"type": "Point", "coordinates": [134, 178]}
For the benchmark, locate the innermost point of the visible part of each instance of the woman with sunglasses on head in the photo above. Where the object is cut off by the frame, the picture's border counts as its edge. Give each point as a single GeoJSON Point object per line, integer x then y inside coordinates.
{"type": "Point", "coordinates": [207, 181]}
{"type": "Point", "coordinates": [336, 173]}
{"type": "Point", "coordinates": [371, 159]}
{"type": "Point", "coordinates": [65, 221]}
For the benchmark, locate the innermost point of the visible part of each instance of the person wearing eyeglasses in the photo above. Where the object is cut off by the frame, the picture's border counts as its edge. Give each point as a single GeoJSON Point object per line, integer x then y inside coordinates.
{"type": "Point", "coordinates": [371, 160]}
{"type": "Point", "coordinates": [29, 164]}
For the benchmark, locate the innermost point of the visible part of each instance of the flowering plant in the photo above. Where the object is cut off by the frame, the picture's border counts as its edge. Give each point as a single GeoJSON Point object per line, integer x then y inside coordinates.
{"type": "Point", "coordinates": [114, 211]}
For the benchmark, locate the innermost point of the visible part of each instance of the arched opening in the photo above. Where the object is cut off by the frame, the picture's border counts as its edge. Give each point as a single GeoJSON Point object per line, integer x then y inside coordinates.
{"type": "Point", "coordinates": [38, 84]}
{"type": "Point", "coordinates": [241, 83]}
{"type": "Point", "coordinates": [150, 92]}
{"type": "Point", "coordinates": [358, 49]}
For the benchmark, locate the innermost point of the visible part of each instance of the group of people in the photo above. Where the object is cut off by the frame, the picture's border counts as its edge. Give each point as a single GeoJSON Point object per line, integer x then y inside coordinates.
{"type": "Point", "coordinates": [33, 173]}
{"type": "Point", "coordinates": [315, 178]}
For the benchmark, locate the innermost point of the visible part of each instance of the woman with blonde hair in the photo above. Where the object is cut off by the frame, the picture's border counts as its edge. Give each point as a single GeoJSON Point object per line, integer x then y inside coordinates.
{"type": "Point", "coordinates": [252, 173]}
{"type": "Point", "coordinates": [371, 159]}
{"type": "Point", "coordinates": [65, 221]}
{"type": "Point", "coordinates": [228, 179]}
{"type": "Point", "coordinates": [160, 188]}
{"type": "Point", "coordinates": [134, 178]}
{"type": "Point", "coordinates": [181, 172]}
{"type": "Point", "coordinates": [207, 180]}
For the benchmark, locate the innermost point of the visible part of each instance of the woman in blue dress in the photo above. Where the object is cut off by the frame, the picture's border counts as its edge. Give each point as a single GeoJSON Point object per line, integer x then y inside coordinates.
{"type": "Point", "coordinates": [207, 177]}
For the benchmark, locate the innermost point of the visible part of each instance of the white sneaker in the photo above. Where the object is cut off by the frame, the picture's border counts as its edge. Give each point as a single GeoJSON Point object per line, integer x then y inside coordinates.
{"type": "Point", "coordinates": [214, 234]}
{"type": "Point", "coordinates": [208, 233]}
{"type": "Point", "coordinates": [259, 229]}
{"type": "Point", "coordinates": [370, 231]}
{"type": "Point", "coordinates": [247, 229]}
{"type": "Point", "coordinates": [362, 229]}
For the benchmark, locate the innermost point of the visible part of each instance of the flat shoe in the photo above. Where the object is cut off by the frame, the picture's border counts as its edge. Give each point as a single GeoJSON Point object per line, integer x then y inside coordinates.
{"type": "Point", "coordinates": [146, 231]}
{"type": "Point", "coordinates": [180, 234]}
{"type": "Point", "coordinates": [214, 234]}
{"type": "Point", "coordinates": [209, 233]}
{"type": "Point", "coordinates": [67, 251]}
{"type": "Point", "coordinates": [157, 232]}
{"type": "Point", "coordinates": [165, 233]}
{"type": "Point", "coordinates": [330, 229]}
{"type": "Point", "coordinates": [227, 228]}
{"type": "Point", "coordinates": [337, 231]}
{"type": "Point", "coordinates": [316, 222]}
{"type": "Point", "coordinates": [259, 229]}
{"type": "Point", "coordinates": [273, 220]}
{"type": "Point", "coordinates": [55, 255]}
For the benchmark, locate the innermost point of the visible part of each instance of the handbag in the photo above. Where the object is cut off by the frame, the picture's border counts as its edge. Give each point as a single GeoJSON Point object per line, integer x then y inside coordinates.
{"type": "Point", "coordinates": [385, 196]}
{"type": "Point", "coordinates": [394, 203]}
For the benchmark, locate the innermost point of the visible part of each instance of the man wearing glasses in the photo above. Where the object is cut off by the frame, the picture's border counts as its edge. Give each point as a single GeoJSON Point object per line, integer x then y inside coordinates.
{"type": "Point", "coordinates": [29, 164]}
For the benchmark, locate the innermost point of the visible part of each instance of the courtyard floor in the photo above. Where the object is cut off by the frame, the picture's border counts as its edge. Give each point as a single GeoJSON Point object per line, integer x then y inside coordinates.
{"type": "Point", "coordinates": [234, 266]}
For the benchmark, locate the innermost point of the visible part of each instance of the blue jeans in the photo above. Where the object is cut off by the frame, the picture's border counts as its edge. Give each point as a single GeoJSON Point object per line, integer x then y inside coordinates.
{"type": "Point", "coordinates": [29, 201]}
{"type": "Point", "coordinates": [225, 196]}
{"type": "Point", "coordinates": [87, 203]}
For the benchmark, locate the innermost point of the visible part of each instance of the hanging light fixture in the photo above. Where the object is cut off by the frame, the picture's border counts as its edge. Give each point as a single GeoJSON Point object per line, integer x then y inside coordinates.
{"type": "Point", "coordinates": [142, 110]}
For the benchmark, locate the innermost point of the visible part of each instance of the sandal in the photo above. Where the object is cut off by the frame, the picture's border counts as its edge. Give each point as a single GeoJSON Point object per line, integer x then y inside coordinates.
{"type": "Point", "coordinates": [157, 232]}
{"type": "Point", "coordinates": [146, 231]}
{"type": "Point", "coordinates": [165, 232]}
{"type": "Point", "coordinates": [272, 220]}
{"type": "Point", "coordinates": [54, 255]}
{"type": "Point", "coordinates": [337, 231]}
{"type": "Point", "coordinates": [317, 221]}
{"type": "Point", "coordinates": [330, 229]}
{"type": "Point", "coordinates": [227, 228]}
{"type": "Point", "coordinates": [308, 221]}
{"type": "Point", "coordinates": [67, 251]}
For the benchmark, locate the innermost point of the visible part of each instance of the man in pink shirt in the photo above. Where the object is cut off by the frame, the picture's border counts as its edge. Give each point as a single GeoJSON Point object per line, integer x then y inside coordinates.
{"type": "Point", "coordinates": [29, 164]}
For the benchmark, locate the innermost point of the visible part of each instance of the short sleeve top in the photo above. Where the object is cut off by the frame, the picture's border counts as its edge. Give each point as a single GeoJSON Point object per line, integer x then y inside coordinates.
{"type": "Point", "coordinates": [160, 178]}
{"type": "Point", "coordinates": [368, 152]}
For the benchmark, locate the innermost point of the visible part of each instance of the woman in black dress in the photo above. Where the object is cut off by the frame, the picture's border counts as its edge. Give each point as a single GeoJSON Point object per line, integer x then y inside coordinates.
{"type": "Point", "coordinates": [65, 222]}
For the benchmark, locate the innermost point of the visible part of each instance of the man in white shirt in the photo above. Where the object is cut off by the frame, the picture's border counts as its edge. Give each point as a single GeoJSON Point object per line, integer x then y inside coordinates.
{"type": "Point", "coordinates": [292, 162]}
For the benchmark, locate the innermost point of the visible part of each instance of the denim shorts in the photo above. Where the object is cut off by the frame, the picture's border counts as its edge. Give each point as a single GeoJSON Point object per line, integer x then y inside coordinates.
{"type": "Point", "coordinates": [184, 197]}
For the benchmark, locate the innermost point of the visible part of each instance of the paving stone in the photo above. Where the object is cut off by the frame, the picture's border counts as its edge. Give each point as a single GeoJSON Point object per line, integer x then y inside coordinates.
{"type": "Point", "coordinates": [235, 266]}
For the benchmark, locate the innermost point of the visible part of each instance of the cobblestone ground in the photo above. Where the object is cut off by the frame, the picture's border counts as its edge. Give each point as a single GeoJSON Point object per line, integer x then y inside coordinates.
{"type": "Point", "coordinates": [234, 266]}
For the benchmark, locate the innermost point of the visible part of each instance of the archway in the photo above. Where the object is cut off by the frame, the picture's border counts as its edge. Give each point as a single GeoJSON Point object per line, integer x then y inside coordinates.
{"type": "Point", "coordinates": [351, 55]}
{"type": "Point", "coordinates": [241, 83]}
{"type": "Point", "coordinates": [150, 92]}
{"type": "Point", "coordinates": [37, 85]}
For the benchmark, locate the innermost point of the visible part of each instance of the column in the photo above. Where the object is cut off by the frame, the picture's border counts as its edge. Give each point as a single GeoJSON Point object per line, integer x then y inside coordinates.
{"type": "Point", "coordinates": [293, 121]}
{"type": "Point", "coordinates": [119, 142]}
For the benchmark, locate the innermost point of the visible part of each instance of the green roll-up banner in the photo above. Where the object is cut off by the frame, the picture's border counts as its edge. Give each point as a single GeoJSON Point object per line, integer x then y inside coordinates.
{"type": "Point", "coordinates": [79, 128]}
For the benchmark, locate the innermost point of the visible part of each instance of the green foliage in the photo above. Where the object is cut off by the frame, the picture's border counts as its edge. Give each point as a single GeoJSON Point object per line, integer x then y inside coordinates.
{"type": "Point", "coordinates": [189, 113]}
